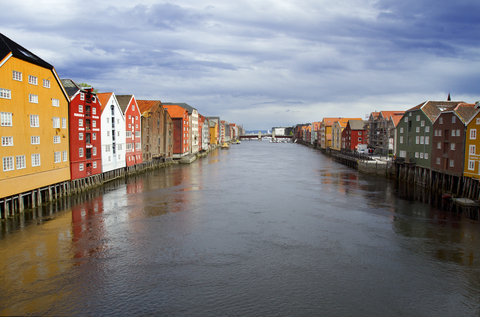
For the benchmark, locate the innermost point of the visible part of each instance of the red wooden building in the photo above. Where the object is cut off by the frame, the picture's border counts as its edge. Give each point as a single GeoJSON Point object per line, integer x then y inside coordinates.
{"type": "Point", "coordinates": [85, 136]}
{"type": "Point", "coordinates": [133, 126]}
{"type": "Point", "coordinates": [181, 129]}
{"type": "Point", "coordinates": [354, 134]}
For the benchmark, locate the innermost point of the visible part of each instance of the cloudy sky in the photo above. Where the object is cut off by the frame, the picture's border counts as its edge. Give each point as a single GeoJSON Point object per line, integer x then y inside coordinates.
{"type": "Point", "coordinates": [260, 63]}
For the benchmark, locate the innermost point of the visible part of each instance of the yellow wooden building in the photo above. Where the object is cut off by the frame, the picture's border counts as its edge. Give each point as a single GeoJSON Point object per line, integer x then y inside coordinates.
{"type": "Point", "coordinates": [337, 129]}
{"type": "Point", "coordinates": [213, 132]}
{"type": "Point", "coordinates": [34, 122]}
{"type": "Point", "coordinates": [472, 147]}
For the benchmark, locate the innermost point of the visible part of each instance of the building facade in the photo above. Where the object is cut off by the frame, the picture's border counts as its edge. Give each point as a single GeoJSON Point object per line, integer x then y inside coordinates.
{"type": "Point", "coordinates": [133, 129]}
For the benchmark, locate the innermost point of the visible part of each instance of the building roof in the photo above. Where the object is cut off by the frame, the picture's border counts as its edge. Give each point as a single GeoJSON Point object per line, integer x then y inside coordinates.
{"type": "Point", "coordinates": [328, 122]}
{"type": "Point", "coordinates": [124, 101]}
{"type": "Point", "coordinates": [181, 104]}
{"type": "Point", "coordinates": [7, 47]}
{"type": "Point", "coordinates": [70, 87]}
{"type": "Point", "coordinates": [147, 105]}
{"type": "Point", "coordinates": [433, 108]}
{"type": "Point", "coordinates": [356, 124]}
{"type": "Point", "coordinates": [465, 111]}
{"type": "Point", "coordinates": [103, 98]}
{"type": "Point", "coordinates": [175, 111]}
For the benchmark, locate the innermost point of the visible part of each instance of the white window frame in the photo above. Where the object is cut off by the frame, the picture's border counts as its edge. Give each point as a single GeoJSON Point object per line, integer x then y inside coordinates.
{"type": "Point", "coordinates": [34, 121]}
{"type": "Point", "coordinates": [8, 163]}
{"type": "Point", "coordinates": [20, 162]}
{"type": "Point", "coordinates": [80, 152]}
{"type": "Point", "coordinates": [454, 119]}
{"type": "Point", "coordinates": [35, 139]}
{"type": "Point", "coordinates": [427, 140]}
{"type": "Point", "coordinates": [65, 156]}
{"type": "Point", "coordinates": [57, 157]}
{"type": "Point", "coordinates": [55, 102]}
{"type": "Point", "coordinates": [56, 122]}
{"type": "Point", "coordinates": [6, 119]}
{"type": "Point", "coordinates": [452, 163]}
{"type": "Point", "coordinates": [452, 146]}
{"type": "Point", "coordinates": [438, 161]}
{"type": "Point", "coordinates": [32, 80]}
{"type": "Point", "coordinates": [81, 167]}
{"type": "Point", "coordinates": [427, 128]}
{"type": "Point", "coordinates": [64, 123]}
{"type": "Point", "coordinates": [439, 145]}
{"type": "Point", "coordinates": [473, 134]}
{"type": "Point", "coordinates": [7, 140]}
{"type": "Point", "coordinates": [5, 93]}
{"type": "Point", "coordinates": [32, 98]}
{"type": "Point", "coordinates": [46, 83]}
{"type": "Point", "coordinates": [56, 139]}
{"type": "Point", "coordinates": [17, 75]}
{"type": "Point", "coordinates": [36, 160]}
{"type": "Point", "coordinates": [80, 135]}
{"type": "Point", "coordinates": [472, 149]}
{"type": "Point", "coordinates": [471, 165]}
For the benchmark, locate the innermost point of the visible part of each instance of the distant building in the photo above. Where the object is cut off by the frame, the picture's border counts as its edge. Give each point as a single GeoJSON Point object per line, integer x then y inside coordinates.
{"type": "Point", "coordinates": [181, 129]}
{"type": "Point", "coordinates": [133, 126]}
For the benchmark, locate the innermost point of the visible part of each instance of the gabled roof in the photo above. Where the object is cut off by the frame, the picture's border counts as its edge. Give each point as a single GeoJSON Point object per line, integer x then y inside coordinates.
{"type": "Point", "coordinates": [328, 122]}
{"type": "Point", "coordinates": [70, 87]}
{"type": "Point", "coordinates": [175, 111]}
{"type": "Point", "coordinates": [466, 111]}
{"type": "Point", "coordinates": [7, 47]}
{"type": "Point", "coordinates": [103, 98]}
{"type": "Point", "coordinates": [183, 105]}
{"type": "Point", "coordinates": [433, 108]}
{"type": "Point", "coordinates": [387, 114]}
{"type": "Point", "coordinates": [124, 101]}
{"type": "Point", "coordinates": [147, 105]}
{"type": "Point", "coordinates": [356, 124]}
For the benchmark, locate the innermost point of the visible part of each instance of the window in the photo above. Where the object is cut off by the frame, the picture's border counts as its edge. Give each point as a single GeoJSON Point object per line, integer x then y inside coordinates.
{"type": "Point", "coordinates": [35, 139]}
{"type": "Point", "coordinates": [133, 107]}
{"type": "Point", "coordinates": [427, 140]}
{"type": "Point", "coordinates": [136, 126]}
{"type": "Point", "coordinates": [473, 134]}
{"type": "Point", "coordinates": [119, 147]}
{"type": "Point", "coordinates": [80, 167]}
{"type": "Point", "coordinates": [56, 139]}
{"type": "Point", "coordinates": [7, 140]}
{"type": "Point", "coordinates": [33, 98]}
{"type": "Point", "coordinates": [94, 110]}
{"type": "Point", "coordinates": [422, 123]}
{"type": "Point", "coordinates": [94, 124]}
{"type": "Point", "coordinates": [401, 130]}
{"type": "Point", "coordinates": [5, 93]}
{"type": "Point", "coordinates": [82, 96]}
{"type": "Point", "coordinates": [55, 102]}
{"type": "Point", "coordinates": [401, 139]}
{"type": "Point", "coordinates": [439, 132]}
{"type": "Point", "coordinates": [478, 120]}
{"type": "Point", "coordinates": [108, 133]}
{"type": "Point", "coordinates": [138, 146]}
{"type": "Point", "coordinates": [129, 117]}
{"type": "Point", "coordinates": [439, 145]}
{"type": "Point", "coordinates": [426, 156]}
{"type": "Point", "coordinates": [56, 122]}
{"type": "Point", "coordinates": [46, 83]}
{"type": "Point", "coordinates": [8, 164]}
{"type": "Point", "coordinates": [94, 164]}
{"type": "Point", "coordinates": [80, 136]}
{"type": "Point", "coordinates": [6, 119]}
{"type": "Point", "coordinates": [107, 148]}
{"type": "Point", "coordinates": [452, 164]}
{"type": "Point", "coordinates": [422, 139]}
{"type": "Point", "coordinates": [440, 120]}
{"type": "Point", "coordinates": [417, 140]}
{"type": "Point", "coordinates": [17, 75]}
{"type": "Point", "coordinates": [417, 129]}
{"type": "Point", "coordinates": [129, 125]}
{"type": "Point", "coordinates": [421, 155]}
{"type": "Point", "coordinates": [94, 136]}
{"type": "Point", "coordinates": [80, 108]}
{"type": "Point", "coordinates": [108, 120]}
{"type": "Point", "coordinates": [438, 161]}
{"type": "Point", "coordinates": [64, 123]}
{"type": "Point", "coordinates": [57, 157]}
{"type": "Point", "coordinates": [403, 153]}
{"type": "Point", "coordinates": [21, 162]}
{"type": "Point", "coordinates": [65, 156]}
{"type": "Point", "coordinates": [406, 119]}
{"type": "Point", "coordinates": [471, 165]}
{"type": "Point", "coordinates": [452, 146]}
{"type": "Point", "coordinates": [94, 151]}
{"type": "Point", "coordinates": [80, 152]}
{"type": "Point", "coordinates": [458, 132]}
{"type": "Point", "coordinates": [32, 80]}
{"type": "Point", "coordinates": [454, 119]}
{"type": "Point", "coordinates": [453, 131]}
{"type": "Point", "coordinates": [418, 117]}
{"type": "Point", "coordinates": [34, 121]}
{"type": "Point", "coordinates": [80, 122]}
{"type": "Point", "coordinates": [471, 150]}
{"type": "Point", "coordinates": [416, 155]}
{"type": "Point", "coordinates": [35, 159]}
{"type": "Point", "coordinates": [128, 134]}
{"type": "Point", "coordinates": [427, 129]}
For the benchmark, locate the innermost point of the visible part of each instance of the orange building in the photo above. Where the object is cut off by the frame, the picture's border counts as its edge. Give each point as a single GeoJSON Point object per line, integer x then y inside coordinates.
{"type": "Point", "coordinates": [181, 130]}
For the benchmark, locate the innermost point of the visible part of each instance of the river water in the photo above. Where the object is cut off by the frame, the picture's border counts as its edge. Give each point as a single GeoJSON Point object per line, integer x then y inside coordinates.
{"type": "Point", "coordinates": [261, 229]}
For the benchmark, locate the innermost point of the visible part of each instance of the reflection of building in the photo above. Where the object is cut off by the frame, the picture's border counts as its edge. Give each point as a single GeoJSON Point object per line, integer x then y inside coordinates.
{"type": "Point", "coordinates": [88, 224]}
{"type": "Point", "coordinates": [34, 127]}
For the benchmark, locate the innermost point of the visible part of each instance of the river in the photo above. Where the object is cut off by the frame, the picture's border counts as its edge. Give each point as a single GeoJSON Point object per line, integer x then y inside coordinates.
{"type": "Point", "coordinates": [261, 229]}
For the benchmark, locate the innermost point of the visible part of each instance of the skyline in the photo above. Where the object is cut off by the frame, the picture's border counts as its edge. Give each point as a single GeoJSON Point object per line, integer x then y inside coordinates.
{"type": "Point", "coordinates": [260, 64]}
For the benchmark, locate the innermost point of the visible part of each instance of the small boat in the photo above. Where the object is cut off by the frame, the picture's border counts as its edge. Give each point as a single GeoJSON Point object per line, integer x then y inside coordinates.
{"type": "Point", "coordinates": [225, 146]}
